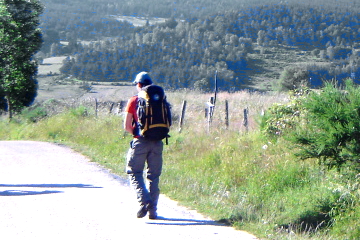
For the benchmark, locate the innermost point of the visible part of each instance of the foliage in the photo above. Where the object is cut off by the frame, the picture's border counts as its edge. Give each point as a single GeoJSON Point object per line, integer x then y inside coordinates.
{"type": "Point", "coordinates": [292, 78]}
{"type": "Point", "coordinates": [282, 118]}
{"type": "Point", "coordinates": [186, 54]}
{"type": "Point", "coordinates": [34, 114]}
{"type": "Point", "coordinates": [324, 125]}
{"type": "Point", "coordinates": [19, 40]}
{"type": "Point", "coordinates": [331, 131]}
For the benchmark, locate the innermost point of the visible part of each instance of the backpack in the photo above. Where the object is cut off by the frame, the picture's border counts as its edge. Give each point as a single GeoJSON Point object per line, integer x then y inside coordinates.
{"type": "Point", "coordinates": [154, 115]}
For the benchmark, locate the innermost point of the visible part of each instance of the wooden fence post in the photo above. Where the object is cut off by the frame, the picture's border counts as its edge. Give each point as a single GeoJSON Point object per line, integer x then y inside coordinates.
{"type": "Point", "coordinates": [246, 119]}
{"type": "Point", "coordinates": [96, 107]}
{"type": "Point", "coordinates": [182, 115]}
{"type": "Point", "coordinates": [226, 114]}
{"type": "Point", "coordinates": [121, 105]}
{"type": "Point", "coordinates": [111, 107]}
{"type": "Point", "coordinates": [210, 112]}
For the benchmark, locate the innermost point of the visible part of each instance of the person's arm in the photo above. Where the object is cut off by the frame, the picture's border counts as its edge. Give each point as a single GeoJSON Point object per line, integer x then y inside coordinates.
{"type": "Point", "coordinates": [128, 126]}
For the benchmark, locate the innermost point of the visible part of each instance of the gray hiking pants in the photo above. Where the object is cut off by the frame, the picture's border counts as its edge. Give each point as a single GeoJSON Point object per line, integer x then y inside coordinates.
{"type": "Point", "coordinates": [150, 152]}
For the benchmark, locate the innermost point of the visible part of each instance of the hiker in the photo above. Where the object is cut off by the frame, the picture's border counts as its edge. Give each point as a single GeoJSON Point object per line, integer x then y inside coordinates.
{"type": "Point", "coordinates": [146, 146]}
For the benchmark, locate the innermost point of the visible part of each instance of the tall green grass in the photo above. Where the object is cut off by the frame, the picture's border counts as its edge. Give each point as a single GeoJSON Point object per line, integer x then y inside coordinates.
{"type": "Point", "coordinates": [242, 179]}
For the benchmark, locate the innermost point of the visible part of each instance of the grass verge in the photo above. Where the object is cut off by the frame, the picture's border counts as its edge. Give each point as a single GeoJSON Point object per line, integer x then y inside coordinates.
{"type": "Point", "coordinates": [244, 180]}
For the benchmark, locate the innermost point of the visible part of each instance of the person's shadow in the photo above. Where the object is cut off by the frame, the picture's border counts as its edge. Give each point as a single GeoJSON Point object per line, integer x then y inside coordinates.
{"type": "Point", "coordinates": [27, 192]}
{"type": "Point", "coordinates": [185, 222]}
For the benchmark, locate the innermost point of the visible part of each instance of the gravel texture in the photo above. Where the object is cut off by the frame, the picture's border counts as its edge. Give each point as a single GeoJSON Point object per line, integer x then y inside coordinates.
{"type": "Point", "coordinates": [48, 191]}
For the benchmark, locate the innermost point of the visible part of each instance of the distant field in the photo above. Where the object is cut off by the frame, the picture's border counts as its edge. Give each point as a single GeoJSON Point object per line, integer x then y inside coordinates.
{"type": "Point", "coordinates": [140, 21]}
{"type": "Point", "coordinates": [50, 65]}
{"type": "Point", "coordinates": [265, 69]}
{"type": "Point", "coordinates": [50, 87]}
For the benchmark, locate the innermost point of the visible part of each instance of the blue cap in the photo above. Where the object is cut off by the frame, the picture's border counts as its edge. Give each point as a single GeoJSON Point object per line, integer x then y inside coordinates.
{"type": "Point", "coordinates": [143, 78]}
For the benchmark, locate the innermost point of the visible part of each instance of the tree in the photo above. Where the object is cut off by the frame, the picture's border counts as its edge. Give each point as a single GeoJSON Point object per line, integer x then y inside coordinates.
{"type": "Point", "coordinates": [331, 52]}
{"type": "Point", "coordinates": [293, 77]}
{"type": "Point", "coordinates": [330, 131]}
{"type": "Point", "coordinates": [261, 37]}
{"type": "Point", "coordinates": [20, 39]}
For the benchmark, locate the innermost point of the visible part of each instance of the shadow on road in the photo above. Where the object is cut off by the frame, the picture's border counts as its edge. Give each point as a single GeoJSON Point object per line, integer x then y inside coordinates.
{"type": "Point", "coordinates": [180, 221]}
{"type": "Point", "coordinates": [10, 193]}
{"type": "Point", "coordinates": [50, 185]}
{"type": "Point", "coordinates": [26, 193]}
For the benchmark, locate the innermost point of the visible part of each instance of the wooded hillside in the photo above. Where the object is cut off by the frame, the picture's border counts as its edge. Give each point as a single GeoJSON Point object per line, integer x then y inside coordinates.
{"type": "Point", "coordinates": [186, 50]}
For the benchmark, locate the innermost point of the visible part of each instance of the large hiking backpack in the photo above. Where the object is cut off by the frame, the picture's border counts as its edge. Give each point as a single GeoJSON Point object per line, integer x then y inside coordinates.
{"type": "Point", "coordinates": [154, 113]}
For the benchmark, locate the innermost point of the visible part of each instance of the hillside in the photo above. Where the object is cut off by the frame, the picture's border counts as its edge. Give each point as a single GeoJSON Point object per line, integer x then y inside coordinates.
{"type": "Point", "coordinates": [250, 47]}
{"type": "Point", "coordinates": [179, 9]}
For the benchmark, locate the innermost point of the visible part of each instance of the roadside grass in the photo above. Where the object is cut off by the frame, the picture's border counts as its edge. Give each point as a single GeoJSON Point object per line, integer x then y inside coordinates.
{"type": "Point", "coordinates": [239, 178]}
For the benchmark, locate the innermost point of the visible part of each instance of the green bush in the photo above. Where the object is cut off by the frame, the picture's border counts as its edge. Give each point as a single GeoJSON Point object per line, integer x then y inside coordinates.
{"type": "Point", "coordinates": [33, 114]}
{"type": "Point", "coordinates": [331, 130]}
{"type": "Point", "coordinates": [281, 118]}
{"type": "Point", "coordinates": [292, 78]}
{"type": "Point", "coordinates": [80, 111]}
{"type": "Point", "coordinates": [322, 124]}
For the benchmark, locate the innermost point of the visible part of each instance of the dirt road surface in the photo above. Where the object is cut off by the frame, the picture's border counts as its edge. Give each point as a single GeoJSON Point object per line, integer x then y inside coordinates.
{"type": "Point", "coordinates": [48, 191]}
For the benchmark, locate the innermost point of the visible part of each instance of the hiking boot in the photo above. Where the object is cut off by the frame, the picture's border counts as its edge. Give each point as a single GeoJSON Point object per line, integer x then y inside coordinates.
{"type": "Point", "coordinates": [142, 211]}
{"type": "Point", "coordinates": [152, 215]}
{"type": "Point", "coordinates": [152, 212]}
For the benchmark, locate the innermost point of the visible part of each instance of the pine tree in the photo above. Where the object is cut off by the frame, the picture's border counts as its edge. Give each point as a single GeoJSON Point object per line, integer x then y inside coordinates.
{"type": "Point", "coordinates": [330, 131]}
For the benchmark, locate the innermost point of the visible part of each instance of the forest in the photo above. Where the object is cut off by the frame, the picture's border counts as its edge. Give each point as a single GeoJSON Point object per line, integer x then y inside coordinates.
{"type": "Point", "coordinates": [194, 42]}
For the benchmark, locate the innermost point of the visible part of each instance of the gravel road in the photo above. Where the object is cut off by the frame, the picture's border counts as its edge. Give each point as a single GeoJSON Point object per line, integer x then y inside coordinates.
{"type": "Point", "coordinates": [48, 191]}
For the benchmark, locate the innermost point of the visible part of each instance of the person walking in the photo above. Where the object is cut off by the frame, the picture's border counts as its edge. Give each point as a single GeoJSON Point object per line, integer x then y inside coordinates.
{"type": "Point", "coordinates": [143, 151]}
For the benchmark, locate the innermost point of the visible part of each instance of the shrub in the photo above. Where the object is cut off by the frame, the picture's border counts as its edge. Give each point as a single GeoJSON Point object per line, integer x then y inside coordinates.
{"type": "Point", "coordinates": [79, 111]}
{"type": "Point", "coordinates": [331, 130]}
{"type": "Point", "coordinates": [34, 114]}
{"type": "Point", "coordinates": [280, 117]}
{"type": "Point", "coordinates": [293, 77]}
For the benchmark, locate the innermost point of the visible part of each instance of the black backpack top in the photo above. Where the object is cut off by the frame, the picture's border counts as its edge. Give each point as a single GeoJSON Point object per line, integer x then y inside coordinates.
{"type": "Point", "coordinates": [154, 113]}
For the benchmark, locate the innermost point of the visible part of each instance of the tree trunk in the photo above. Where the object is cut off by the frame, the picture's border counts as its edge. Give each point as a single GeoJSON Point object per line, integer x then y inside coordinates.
{"type": "Point", "coordinates": [10, 111]}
